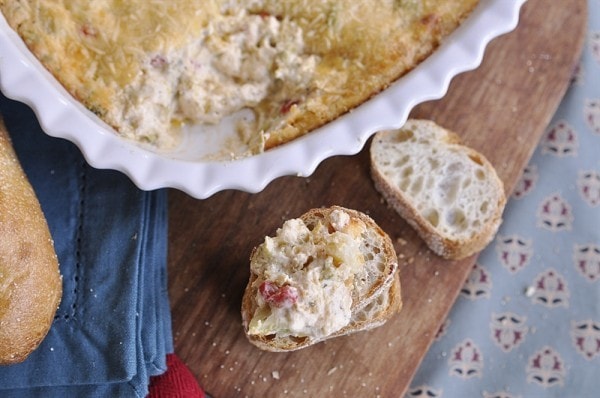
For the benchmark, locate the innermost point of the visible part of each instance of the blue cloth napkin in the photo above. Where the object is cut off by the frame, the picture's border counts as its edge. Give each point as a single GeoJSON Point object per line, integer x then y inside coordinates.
{"type": "Point", "coordinates": [112, 330]}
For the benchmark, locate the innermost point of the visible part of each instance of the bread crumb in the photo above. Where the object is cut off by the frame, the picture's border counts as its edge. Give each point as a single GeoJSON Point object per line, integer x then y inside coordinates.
{"type": "Point", "coordinates": [530, 291]}
{"type": "Point", "coordinates": [401, 241]}
{"type": "Point", "coordinates": [331, 371]}
{"type": "Point", "coordinates": [530, 67]}
{"type": "Point", "coordinates": [275, 374]}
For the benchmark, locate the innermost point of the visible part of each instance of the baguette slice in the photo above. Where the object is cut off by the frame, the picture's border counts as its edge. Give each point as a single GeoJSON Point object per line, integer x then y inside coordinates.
{"type": "Point", "coordinates": [30, 282]}
{"type": "Point", "coordinates": [448, 192]}
{"type": "Point", "coordinates": [367, 293]}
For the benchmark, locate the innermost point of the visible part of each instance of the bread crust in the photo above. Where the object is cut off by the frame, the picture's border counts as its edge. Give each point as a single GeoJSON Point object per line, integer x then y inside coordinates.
{"type": "Point", "coordinates": [378, 303]}
{"type": "Point", "coordinates": [30, 282]}
{"type": "Point", "coordinates": [449, 247]}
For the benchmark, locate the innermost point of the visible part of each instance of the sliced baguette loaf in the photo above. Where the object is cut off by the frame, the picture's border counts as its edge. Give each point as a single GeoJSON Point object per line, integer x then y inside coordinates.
{"type": "Point", "coordinates": [329, 273]}
{"type": "Point", "coordinates": [448, 192]}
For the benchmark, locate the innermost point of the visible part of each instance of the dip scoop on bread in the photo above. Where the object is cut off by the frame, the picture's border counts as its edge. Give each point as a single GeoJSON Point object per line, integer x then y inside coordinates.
{"type": "Point", "coordinates": [328, 273]}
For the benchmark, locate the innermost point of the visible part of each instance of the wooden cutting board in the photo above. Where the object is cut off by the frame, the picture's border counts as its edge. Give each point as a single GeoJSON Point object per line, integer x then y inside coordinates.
{"type": "Point", "coordinates": [501, 109]}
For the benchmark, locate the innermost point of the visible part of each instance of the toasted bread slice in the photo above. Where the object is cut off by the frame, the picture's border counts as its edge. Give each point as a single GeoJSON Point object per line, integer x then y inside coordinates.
{"type": "Point", "coordinates": [328, 273]}
{"type": "Point", "coordinates": [448, 192]}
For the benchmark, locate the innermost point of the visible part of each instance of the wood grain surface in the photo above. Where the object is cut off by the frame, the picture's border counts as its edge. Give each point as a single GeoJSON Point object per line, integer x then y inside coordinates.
{"type": "Point", "coordinates": [501, 109]}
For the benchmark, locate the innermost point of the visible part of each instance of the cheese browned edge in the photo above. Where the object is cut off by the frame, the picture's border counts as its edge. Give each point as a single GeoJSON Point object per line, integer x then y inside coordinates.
{"type": "Point", "coordinates": [364, 48]}
{"type": "Point", "coordinates": [30, 281]}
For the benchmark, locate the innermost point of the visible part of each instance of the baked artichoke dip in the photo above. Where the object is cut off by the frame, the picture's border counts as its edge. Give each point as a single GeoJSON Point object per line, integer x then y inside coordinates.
{"type": "Point", "coordinates": [305, 277]}
{"type": "Point", "coordinates": [148, 68]}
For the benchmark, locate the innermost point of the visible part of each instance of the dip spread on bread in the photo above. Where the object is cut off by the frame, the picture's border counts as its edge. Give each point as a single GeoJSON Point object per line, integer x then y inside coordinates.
{"type": "Point", "coordinates": [306, 277]}
{"type": "Point", "coordinates": [328, 273]}
{"type": "Point", "coordinates": [147, 68]}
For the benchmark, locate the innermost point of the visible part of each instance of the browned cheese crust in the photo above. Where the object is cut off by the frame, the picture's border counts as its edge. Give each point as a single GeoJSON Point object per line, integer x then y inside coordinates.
{"type": "Point", "coordinates": [361, 47]}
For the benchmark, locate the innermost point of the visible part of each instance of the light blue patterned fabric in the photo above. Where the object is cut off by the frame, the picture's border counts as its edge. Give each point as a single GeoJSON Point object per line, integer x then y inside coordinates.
{"type": "Point", "coordinates": [527, 322]}
{"type": "Point", "coordinates": [112, 330]}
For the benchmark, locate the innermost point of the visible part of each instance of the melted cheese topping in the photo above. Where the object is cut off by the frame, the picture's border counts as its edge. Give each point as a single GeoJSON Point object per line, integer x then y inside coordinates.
{"type": "Point", "coordinates": [148, 66]}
